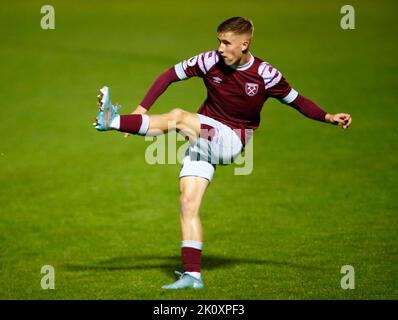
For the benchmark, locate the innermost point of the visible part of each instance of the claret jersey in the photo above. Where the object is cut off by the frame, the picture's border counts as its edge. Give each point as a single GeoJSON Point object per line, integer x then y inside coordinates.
{"type": "Point", "coordinates": [236, 95]}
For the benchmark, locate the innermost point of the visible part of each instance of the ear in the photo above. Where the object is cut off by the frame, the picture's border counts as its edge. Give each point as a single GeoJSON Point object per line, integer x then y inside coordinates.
{"type": "Point", "coordinates": [245, 45]}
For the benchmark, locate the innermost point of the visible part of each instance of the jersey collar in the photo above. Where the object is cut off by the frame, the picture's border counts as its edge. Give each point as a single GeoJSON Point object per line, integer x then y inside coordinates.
{"type": "Point", "coordinates": [246, 65]}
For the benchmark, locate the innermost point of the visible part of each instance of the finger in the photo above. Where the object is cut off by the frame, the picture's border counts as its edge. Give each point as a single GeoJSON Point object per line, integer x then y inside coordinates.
{"type": "Point", "coordinates": [348, 123]}
{"type": "Point", "coordinates": [346, 120]}
{"type": "Point", "coordinates": [339, 120]}
{"type": "Point", "coordinates": [346, 117]}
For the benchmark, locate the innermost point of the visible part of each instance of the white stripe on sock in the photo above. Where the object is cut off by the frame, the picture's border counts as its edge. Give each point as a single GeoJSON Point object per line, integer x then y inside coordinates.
{"type": "Point", "coordinates": [194, 274]}
{"type": "Point", "coordinates": [192, 244]}
{"type": "Point", "coordinates": [144, 125]}
{"type": "Point", "coordinates": [115, 124]}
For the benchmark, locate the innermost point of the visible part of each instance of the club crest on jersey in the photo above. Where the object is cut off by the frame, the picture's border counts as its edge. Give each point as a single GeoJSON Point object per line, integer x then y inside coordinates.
{"type": "Point", "coordinates": [251, 89]}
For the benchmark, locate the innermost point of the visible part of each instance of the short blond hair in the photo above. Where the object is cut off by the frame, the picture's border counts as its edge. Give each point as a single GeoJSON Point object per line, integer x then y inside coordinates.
{"type": "Point", "coordinates": [237, 25]}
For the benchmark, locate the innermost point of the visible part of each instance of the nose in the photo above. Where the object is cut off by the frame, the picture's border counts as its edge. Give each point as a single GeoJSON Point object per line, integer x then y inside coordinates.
{"type": "Point", "coordinates": [220, 48]}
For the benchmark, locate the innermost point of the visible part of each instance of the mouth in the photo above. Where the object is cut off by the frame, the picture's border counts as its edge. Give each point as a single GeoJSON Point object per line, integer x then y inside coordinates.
{"type": "Point", "coordinates": [227, 61]}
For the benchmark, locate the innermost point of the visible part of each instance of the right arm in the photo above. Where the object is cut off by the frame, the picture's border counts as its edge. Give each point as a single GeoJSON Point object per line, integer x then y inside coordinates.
{"type": "Point", "coordinates": [158, 87]}
{"type": "Point", "coordinates": [192, 67]}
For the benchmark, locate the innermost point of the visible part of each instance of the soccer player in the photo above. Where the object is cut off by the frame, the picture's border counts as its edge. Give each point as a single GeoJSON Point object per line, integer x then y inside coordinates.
{"type": "Point", "coordinates": [237, 84]}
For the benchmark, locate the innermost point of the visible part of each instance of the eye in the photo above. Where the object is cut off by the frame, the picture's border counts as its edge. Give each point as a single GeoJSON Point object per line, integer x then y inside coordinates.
{"type": "Point", "coordinates": [224, 42]}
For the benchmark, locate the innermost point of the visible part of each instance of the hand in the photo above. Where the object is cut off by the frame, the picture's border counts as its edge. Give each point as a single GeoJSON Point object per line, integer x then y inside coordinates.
{"type": "Point", "coordinates": [139, 110]}
{"type": "Point", "coordinates": [341, 119]}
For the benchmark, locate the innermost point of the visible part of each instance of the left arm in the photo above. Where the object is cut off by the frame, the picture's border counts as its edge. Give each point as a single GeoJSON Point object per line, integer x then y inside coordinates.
{"type": "Point", "coordinates": [277, 87]}
{"type": "Point", "coordinates": [313, 111]}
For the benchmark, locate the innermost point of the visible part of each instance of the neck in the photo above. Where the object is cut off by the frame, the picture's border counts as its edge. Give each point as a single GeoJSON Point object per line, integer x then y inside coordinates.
{"type": "Point", "coordinates": [244, 59]}
{"type": "Point", "coordinates": [243, 62]}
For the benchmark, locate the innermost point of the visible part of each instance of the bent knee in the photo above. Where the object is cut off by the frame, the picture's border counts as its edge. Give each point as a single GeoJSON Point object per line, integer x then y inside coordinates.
{"type": "Point", "coordinates": [177, 115]}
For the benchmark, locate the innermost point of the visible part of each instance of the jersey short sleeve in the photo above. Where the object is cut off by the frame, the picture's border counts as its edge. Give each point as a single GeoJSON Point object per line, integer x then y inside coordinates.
{"type": "Point", "coordinates": [276, 85]}
{"type": "Point", "coordinates": [197, 66]}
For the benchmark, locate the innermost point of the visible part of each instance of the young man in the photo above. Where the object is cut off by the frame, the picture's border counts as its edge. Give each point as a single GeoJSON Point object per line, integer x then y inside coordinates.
{"type": "Point", "coordinates": [238, 84]}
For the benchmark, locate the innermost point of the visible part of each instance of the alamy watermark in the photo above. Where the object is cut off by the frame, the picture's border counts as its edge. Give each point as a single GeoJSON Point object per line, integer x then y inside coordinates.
{"type": "Point", "coordinates": [214, 146]}
{"type": "Point", "coordinates": [48, 280]}
{"type": "Point", "coordinates": [348, 20]}
{"type": "Point", "coordinates": [348, 280]}
{"type": "Point", "coordinates": [47, 22]}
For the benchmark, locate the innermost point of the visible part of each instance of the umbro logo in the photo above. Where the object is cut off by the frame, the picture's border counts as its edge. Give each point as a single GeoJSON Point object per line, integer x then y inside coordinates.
{"type": "Point", "coordinates": [217, 79]}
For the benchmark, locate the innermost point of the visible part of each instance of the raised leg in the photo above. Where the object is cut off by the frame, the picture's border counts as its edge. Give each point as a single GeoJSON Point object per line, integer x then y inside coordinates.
{"type": "Point", "coordinates": [187, 123]}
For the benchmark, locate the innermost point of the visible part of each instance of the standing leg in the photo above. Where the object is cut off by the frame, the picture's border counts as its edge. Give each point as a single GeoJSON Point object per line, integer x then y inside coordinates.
{"type": "Point", "coordinates": [192, 190]}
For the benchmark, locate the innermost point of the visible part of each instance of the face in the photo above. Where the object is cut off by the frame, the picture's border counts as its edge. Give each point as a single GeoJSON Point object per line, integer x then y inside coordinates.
{"type": "Point", "coordinates": [231, 46]}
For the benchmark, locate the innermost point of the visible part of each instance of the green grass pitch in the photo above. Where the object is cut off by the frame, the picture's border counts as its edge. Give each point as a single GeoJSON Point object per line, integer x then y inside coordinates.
{"type": "Point", "coordinates": [88, 204]}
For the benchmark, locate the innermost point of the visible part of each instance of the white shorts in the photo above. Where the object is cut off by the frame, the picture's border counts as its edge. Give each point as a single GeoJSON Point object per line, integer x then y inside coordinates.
{"type": "Point", "coordinates": [217, 144]}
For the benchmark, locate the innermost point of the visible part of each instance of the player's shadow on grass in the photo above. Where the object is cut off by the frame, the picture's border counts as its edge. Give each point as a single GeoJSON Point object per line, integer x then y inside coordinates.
{"type": "Point", "coordinates": [170, 263]}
